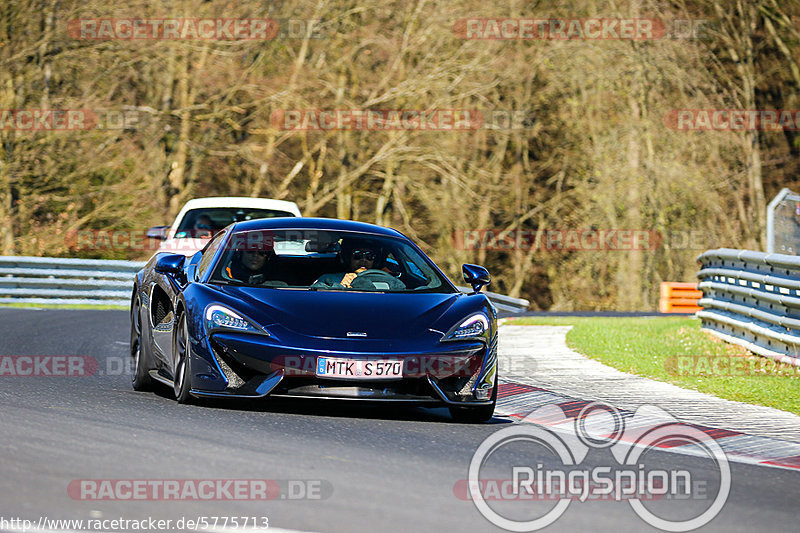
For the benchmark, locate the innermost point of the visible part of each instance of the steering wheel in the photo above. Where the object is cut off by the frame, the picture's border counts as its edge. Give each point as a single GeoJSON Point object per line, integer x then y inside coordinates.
{"type": "Point", "coordinates": [366, 279]}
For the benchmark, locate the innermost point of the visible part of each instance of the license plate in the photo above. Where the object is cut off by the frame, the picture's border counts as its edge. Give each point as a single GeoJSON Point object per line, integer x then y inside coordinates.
{"type": "Point", "coordinates": [331, 367]}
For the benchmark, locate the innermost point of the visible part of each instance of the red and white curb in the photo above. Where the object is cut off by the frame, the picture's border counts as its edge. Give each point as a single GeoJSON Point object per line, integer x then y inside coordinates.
{"type": "Point", "coordinates": [517, 401]}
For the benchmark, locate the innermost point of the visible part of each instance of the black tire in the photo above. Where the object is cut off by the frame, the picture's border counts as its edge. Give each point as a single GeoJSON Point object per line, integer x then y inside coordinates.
{"type": "Point", "coordinates": [476, 415]}
{"type": "Point", "coordinates": [140, 380]}
{"type": "Point", "coordinates": [182, 382]}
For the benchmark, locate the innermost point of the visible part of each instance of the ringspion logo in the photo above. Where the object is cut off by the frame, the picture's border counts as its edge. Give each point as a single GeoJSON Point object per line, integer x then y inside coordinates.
{"type": "Point", "coordinates": [554, 467]}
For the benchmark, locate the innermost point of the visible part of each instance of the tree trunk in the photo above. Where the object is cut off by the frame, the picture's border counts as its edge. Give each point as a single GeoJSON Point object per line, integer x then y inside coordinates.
{"type": "Point", "coordinates": [6, 213]}
{"type": "Point", "coordinates": [7, 101]}
{"type": "Point", "coordinates": [386, 192]}
{"type": "Point", "coordinates": [186, 96]}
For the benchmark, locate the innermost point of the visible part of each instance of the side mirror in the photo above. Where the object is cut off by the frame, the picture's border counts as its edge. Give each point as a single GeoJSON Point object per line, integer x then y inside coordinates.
{"type": "Point", "coordinates": [476, 276]}
{"type": "Point", "coordinates": [170, 264]}
{"type": "Point", "coordinates": [158, 232]}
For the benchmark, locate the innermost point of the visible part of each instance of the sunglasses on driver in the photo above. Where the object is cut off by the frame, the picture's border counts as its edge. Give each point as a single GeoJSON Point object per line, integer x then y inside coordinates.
{"type": "Point", "coordinates": [369, 255]}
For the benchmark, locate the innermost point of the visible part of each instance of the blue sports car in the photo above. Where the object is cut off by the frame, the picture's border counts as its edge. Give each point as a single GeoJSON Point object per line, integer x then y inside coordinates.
{"type": "Point", "coordinates": [315, 308]}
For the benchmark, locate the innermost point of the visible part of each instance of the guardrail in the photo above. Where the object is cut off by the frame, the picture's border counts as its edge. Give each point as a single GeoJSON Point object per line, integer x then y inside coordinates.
{"type": "Point", "coordinates": [501, 302]}
{"type": "Point", "coordinates": [752, 299]}
{"type": "Point", "coordinates": [46, 280]}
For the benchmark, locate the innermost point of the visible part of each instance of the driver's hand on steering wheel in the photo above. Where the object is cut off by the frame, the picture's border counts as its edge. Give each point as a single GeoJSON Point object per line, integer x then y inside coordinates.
{"type": "Point", "coordinates": [350, 276]}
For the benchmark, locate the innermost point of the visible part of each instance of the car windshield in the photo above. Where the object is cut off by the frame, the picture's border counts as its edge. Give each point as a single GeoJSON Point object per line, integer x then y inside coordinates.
{"type": "Point", "coordinates": [205, 222]}
{"type": "Point", "coordinates": [327, 261]}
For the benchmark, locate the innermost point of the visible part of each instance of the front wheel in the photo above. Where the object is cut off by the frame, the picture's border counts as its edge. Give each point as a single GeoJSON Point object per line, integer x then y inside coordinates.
{"type": "Point", "coordinates": [141, 377]}
{"type": "Point", "coordinates": [476, 415]}
{"type": "Point", "coordinates": [182, 378]}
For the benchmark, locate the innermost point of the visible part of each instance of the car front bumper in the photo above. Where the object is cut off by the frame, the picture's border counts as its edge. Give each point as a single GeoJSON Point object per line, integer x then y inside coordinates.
{"type": "Point", "coordinates": [458, 373]}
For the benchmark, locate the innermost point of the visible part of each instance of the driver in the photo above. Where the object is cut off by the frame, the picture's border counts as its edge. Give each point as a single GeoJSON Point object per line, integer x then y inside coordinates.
{"type": "Point", "coordinates": [203, 227]}
{"type": "Point", "coordinates": [358, 256]}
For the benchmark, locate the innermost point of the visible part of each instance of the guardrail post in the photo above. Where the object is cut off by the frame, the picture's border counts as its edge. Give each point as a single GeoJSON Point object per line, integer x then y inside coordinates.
{"type": "Point", "coordinates": [771, 207]}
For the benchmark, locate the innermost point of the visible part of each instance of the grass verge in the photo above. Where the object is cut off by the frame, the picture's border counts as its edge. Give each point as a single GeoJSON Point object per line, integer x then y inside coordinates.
{"type": "Point", "coordinates": [676, 350]}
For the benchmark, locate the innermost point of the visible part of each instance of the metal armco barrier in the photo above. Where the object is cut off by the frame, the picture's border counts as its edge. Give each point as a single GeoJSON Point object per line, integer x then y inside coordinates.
{"type": "Point", "coordinates": [45, 280]}
{"type": "Point", "coordinates": [752, 299]}
{"type": "Point", "coordinates": [504, 304]}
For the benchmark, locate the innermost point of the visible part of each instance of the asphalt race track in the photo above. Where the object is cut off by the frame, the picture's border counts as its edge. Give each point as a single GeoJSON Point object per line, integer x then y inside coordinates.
{"type": "Point", "coordinates": [369, 468]}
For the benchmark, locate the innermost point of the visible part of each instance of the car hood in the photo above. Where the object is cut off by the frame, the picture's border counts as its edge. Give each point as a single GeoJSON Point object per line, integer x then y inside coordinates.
{"type": "Point", "coordinates": [334, 314]}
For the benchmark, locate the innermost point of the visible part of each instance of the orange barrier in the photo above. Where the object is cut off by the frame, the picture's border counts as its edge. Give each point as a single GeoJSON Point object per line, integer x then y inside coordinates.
{"type": "Point", "coordinates": [678, 297]}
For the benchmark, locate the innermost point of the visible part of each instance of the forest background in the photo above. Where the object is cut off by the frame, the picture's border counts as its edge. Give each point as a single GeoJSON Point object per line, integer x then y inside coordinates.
{"type": "Point", "coordinates": [597, 148]}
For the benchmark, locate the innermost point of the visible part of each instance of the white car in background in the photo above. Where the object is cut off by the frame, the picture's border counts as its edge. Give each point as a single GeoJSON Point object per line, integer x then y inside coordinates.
{"type": "Point", "coordinates": [201, 218]}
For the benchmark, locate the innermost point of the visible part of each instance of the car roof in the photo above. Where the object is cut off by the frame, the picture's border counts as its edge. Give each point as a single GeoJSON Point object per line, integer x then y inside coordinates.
{"type": "Point", "coordinates": [244, 202]}
{"type": "Point", "coordinates": [333, 224]}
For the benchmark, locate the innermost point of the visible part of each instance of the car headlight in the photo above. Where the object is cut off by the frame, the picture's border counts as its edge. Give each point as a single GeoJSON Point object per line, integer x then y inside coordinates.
{"type": "Point", "coordinates": [220, 317]}
{"type": "Point", "coordinates": [472, 327]}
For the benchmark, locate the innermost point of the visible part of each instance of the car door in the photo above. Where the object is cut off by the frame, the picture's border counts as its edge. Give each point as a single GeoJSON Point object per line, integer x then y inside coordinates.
{"type": "Point", "coordinates": [162, 297]}
{"type": "Point", "coordinates": [162, 318]}
{"type": "Point", "coordinates": [195, 269]}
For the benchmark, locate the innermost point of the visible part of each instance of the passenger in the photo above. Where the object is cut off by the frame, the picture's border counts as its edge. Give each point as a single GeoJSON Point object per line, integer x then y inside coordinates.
{"type": "Point", "coordinates": [250, 266]}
